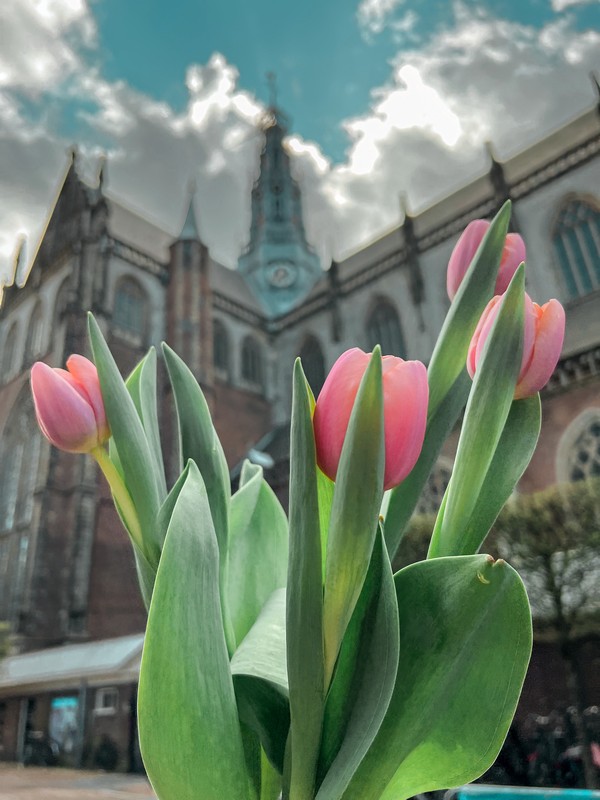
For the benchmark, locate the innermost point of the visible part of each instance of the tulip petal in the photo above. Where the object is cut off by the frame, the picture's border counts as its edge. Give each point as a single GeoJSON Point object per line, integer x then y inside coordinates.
{"type": "Point", "coordinates": [463, 253]}
{"type": "Point", "coordinates": [405, 398]}
{"type": "Point", "coordinates": [65, 417]}
{"type": "Point", "coordinates": [86, 375]}
{"type": "Point", "coordinates": [513, 255]}
{"type": "Point", "coordinates": [334, 407]}
{"type": "Point", "coordinates": [482, 331]}
{"type": "Point", "coordinates": [547, 349]}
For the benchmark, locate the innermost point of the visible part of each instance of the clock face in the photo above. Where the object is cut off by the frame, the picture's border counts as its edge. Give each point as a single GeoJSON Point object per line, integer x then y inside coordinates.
{"type": "Point", "coordinates": [281, 274]}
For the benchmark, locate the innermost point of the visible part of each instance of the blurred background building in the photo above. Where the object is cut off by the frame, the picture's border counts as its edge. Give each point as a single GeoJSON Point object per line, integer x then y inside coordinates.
{"type": "Point", "coordinates": [68, 588]}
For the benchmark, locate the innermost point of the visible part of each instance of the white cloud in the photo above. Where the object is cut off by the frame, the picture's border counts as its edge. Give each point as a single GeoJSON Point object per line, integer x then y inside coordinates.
{"type": "Point", "coordinates": [373, 15]}
{"type": "Point", "coordinates": [40, 41]}
{"type": "Point", "coordinates": [562, 5]}
{"type": "Point", "coordinates": [480, 79]}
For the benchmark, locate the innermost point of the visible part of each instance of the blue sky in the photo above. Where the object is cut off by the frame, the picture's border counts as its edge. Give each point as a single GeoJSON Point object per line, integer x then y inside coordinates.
{"type": "Point", "coordinates": [386, 97]}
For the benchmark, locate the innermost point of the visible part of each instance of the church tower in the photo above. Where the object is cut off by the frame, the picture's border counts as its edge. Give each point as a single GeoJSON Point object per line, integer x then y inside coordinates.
{"type": "Point", "coordinates": [278, 264]}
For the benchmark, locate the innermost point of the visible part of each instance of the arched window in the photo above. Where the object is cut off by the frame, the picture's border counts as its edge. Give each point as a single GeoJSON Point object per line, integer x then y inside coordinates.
{"type": "Point", "coordinates": [34, 346]}
{"type": "Point", "coordinates": [220, 348]}
{"type": "Point", "coordinates": [576, 241]}
{"type": "Point", "coordinates": [9, 352]}
{"type": "Point", "coordinates": [580, 449]}
{"type": "Point", "coordinates": [383, 328]}
{"type": "Point", "coordinates": [313, 363]}
{"type": "Point", "coordinates": [129, 313]}
{"type": "Point", "coordinates": [252, 366]}
{"type": "Point", "coordinates": [19, 461]}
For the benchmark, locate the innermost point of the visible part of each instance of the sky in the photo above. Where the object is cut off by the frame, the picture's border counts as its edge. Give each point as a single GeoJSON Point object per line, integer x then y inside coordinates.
{"type": "Point", "coordinates": [387, 99]}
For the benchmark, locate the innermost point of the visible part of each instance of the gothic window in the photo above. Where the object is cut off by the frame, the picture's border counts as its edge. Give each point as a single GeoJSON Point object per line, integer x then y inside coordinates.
{"type": "Point", "coordinates": [220, 348]}
{"type": "Point", "coordinates": [383, 327]}
{"type": "Point", "coordinates": [19, 460]}
{"type": "Point", "coordinates": [186, 254]}
{"type": "Point", "coordinates": [583, 459]}
{"type": "Point", "coordinates": [129, 314]}
{"type": "Point", "coordinates": [576, 241]}
{"type": "Point", "coordinates": [313, 363]}
{"type": "Point", "coordinates": [9, 352]}
{"type": "Point", "coordinates": [252, 366]}
{"type": "Point", "coordinates": [34, 345]}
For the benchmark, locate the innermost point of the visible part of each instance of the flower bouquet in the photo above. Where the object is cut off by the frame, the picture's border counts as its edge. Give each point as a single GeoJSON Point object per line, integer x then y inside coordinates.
{"type": "Point", "coordinates": [283, 657]}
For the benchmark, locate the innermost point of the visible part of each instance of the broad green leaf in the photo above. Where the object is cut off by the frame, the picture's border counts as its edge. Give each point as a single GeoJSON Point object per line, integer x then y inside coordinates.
{"type": "Point", "coordinates": [260, 679]}
{"type": "Point", "coordinates": [146, 575]}
{"type": "Point", "coordinates": [466, 643]}
{"type": "Point", "coordinates": [403, 499]}
{"type": "Point", "coordinates": [450, 352]}
{"type": "Point", "coordinates": [135, 455]}
{"type": "Point", "coordinates": [141, 385]}
{"type": "Point", "coordinates": [258, 549]}
{"type": "Point", "coordinates": [487, 410]}
{"type": "Point", "coordinates": [165, 512]}
{"type": "Point", "coordinates": [354, 511]}
{"type": "Point", "coordinates": [364, 678]}
{"type": "Point", "coordinates": [189, 730]}
{"type": "Point", "coordinates": [304, 602]}
{"type": "Point", "coordinates": [513, 454]}
{"type": "Point", "coordinates": [198, 440]}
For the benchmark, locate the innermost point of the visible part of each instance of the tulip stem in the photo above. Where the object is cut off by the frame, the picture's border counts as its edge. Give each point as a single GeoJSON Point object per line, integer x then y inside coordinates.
{"type": "Point", "coordinates": [120, 495]}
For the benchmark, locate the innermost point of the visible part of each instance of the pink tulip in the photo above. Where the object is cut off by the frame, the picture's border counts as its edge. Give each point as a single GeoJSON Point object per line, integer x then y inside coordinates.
{"type": "Point", "coordinates": [542, 344]}
{"type": "Point", "coordinates": [466, 247]}
{"type": "Point", "coordinates": [69, 406]}
{"type": "Point", "coordinates": [405, 397]}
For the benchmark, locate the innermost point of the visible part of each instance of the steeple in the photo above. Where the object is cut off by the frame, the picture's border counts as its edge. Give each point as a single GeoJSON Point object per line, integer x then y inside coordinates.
{"type": "Point", "coordinates": [190, 226]}
{"type": "Point", "coordinates": [278, 262]}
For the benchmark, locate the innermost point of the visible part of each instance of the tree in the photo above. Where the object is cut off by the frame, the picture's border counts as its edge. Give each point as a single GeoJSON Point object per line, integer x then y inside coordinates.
{"type": "Point", "coordinates": [553, 538]}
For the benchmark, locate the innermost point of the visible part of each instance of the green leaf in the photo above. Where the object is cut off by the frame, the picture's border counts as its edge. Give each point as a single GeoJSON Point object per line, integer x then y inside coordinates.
{"type": "Point", "coordinates": [135, 455]}
{"type": "Point", "coordinates": [364, 678]}
{"type": "Point", "coordinates": [485, 417]}
{"type": "Point", "coordinates": [355, 510]}
{"type": "Point", "coordinates": [258, 549]}
{"type": "Point", "coordinates": [325, 489]}
{"type": "Point", "coordinates": [403, 499]}
{"type": "Point", "coordinates": [466, 643]}
{"type": "Point", "coordinates": [198, 440]}
{"type": "Point", "coordinates": [270, 783]}
{"type": "Point", "coordinates": [141, 385]}
{"type": "Point", "coordinates": [513, 454]}
{"type": "Point", "coordinates": [450, 352]}
{"type": "Point", "coordinates": [189, 730]}
{"type": "Point", "coordinates": [260, 679]}
{"type": "Point", "coordinates": [304, 601]}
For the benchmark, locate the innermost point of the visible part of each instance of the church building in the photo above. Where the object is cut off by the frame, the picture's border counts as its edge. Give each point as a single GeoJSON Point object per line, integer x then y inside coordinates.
{"type": "Point", "coordinates": [67, 578]}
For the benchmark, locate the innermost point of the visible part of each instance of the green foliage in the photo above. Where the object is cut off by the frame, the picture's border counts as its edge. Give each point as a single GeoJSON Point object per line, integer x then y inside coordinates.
{"type": "Point", "coordinates": [304, 623]}
{"type": "Point", "coordinates": [186, 700]}
{"type": "Point", "coordinates": [466, 640]}
{"type": "Point", "coordinates": [449, 384]}
{"type": "Point", "coordinates": [258, 525]}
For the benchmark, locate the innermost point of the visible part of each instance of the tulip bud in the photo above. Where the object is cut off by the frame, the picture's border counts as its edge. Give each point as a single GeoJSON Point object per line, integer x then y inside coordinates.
{"type": "Point", "coordinates": [464, 251]}
{"type": "Point", "coordinates": [69, 406]}
{"type": "Point", "coordinates": [544, 333]}
{"type": "Point", "coordinates": [405, 397]}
